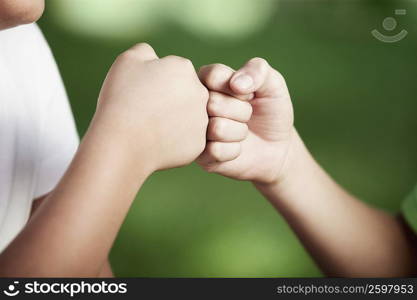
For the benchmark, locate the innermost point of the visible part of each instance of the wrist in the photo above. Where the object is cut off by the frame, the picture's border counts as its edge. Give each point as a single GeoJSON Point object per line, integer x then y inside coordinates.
{"type": "Point", "coordinates": [121, 147]}
{"type": "Point", "coordinates": [296, 158]}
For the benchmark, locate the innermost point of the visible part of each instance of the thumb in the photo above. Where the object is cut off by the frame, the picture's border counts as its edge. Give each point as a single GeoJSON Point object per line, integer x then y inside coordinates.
{"type": "Point", "coordinates": [257, 76]}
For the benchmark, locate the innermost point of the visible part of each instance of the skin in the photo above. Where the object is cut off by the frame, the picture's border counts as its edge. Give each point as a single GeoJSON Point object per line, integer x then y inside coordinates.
{"type": "Point", "coordinates": [145, 121]}
{"type": "Point", "coordinates": [18, 12]}
{"type": "Point", "coordinates": [106, 271]}
{"type": "Point", "coordinates": [76, 214]}
{"type": "Point", "coordinates": [256, 141]}
{"type": "Point", "coordinates": [87, 208]}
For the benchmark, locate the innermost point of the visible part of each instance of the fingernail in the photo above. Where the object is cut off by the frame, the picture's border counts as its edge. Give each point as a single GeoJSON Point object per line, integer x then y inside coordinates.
{"type": "Point", "coordinates": [243, 82]}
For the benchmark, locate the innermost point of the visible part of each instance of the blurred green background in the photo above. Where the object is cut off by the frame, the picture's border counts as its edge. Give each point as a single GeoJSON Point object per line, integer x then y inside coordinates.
{"type": "Point", "coordinates": [355, 105]}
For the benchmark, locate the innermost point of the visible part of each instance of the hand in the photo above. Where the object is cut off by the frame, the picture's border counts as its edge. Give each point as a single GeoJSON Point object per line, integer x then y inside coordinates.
{"type": "Point", "coordinates": [154, 108]}
{"type": "Point", "coordinates": [247, 140]}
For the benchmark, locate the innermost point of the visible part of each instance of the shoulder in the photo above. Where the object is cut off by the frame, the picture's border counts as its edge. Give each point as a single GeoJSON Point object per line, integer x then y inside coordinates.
{"type": "Point", "coordinates": [25, 45]}
{"type": "Point", "coordinates": [23, 35]}
{"type": "Point", "coordinates": [25, 50]}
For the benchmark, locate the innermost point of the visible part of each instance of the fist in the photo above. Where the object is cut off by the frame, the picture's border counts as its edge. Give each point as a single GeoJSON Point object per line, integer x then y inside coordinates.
{"type": "Point", "coordinates": [155, 108]}
{"type": "Point", "coordinates": [250, 129]}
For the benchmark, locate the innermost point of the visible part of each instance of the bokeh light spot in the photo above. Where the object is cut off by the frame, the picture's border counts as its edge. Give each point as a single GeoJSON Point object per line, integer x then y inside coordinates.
{"type": "Point", "coordinates": [107, 18]}
{"type": "Point", "coordinates": [231, 19]}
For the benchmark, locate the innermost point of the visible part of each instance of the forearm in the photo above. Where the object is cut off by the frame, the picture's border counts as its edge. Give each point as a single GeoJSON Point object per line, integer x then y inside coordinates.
{"type": "Point", "coordinates": [72, 232]}
{"type": "Point", "coordinates": [345, 236]}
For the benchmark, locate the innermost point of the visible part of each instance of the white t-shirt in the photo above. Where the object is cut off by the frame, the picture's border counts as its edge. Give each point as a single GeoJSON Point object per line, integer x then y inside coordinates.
{"type": "Point", "coordinates": [38, 137]}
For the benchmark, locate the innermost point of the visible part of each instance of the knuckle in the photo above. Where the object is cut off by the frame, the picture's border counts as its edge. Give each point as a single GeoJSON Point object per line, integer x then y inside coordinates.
{"type": "Point", "coordinates": [217, 127]}
{"type": "Point", "coordinates": [260, 64]}
{"type": "Point", "coordinates": [220, 67]}
{"type": "Point", "coordinates": [279, 77]}
{"type": "Point", "coordinates": [248, 111]}
{"type": "Point", "coordinates": [142, 47]}
{"type": "Point", "coordinates": [215, 150]}
{"type": "Point", "coordinates": [135, 51]}
{"type": "Point", "coordinates": [186, 61]}
{"type": "Point", "coordinates": [179, 60]}
{"type": "Point", "coordinates": [245, 127]}
{"type": "Point", "coordinates": [171, 57]}
{"type": "Point", "coordinates": [259, 61]}
{"type": "Point", "coordinates": [215, 96]}
{"type": "Point", "coordinates": [213, 106]}
{"type": "Point", "coordinates": [127, 55]}
{"type": "Point", "coordinates": [214, 73]}
{"type": "Point", "coordinates": [211, 78]}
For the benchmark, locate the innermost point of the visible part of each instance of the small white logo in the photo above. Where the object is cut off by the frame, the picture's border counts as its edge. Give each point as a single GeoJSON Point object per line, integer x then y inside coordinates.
{"type": "Point", "coordinates": [389, 24]}
{"type": "Point", "coordinates": [11, 290]}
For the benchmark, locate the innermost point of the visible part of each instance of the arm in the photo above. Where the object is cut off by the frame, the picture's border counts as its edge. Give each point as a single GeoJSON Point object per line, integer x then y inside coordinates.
{"type": "Point", "coordinates": [141, 125]}
{"type": "Point", "coordinates": [72, 232]}
{"type": "Point", "coordinates": [345, 236]}
{"type": "Point", "coordinates": [106, 270]}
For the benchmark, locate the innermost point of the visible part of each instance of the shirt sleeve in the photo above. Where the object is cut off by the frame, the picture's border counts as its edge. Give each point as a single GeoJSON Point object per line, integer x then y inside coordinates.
{"type": "Point", "coordinates": [58, 144]}
{"type": "Point", "coordinates": [58, 140]}
{"type": "Point", "coordinates": [409, 209]}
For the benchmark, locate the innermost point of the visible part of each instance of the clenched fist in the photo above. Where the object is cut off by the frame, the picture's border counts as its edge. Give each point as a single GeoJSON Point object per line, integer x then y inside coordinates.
{"type": "Point", "coordinates": [155, 107]}
{"type": "Point", "coordinates": [251, 128]}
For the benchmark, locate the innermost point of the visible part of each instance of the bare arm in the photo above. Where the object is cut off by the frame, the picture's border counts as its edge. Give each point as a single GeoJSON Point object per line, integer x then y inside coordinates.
{"type": "Point", "coordinates": [145, 121]}
{"type": "Point", "coordinates": [106, 270]}
{"type": "Point", "coordinates": [72, 232]}
{"type": "Point", "coordinates": [345, 236]}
